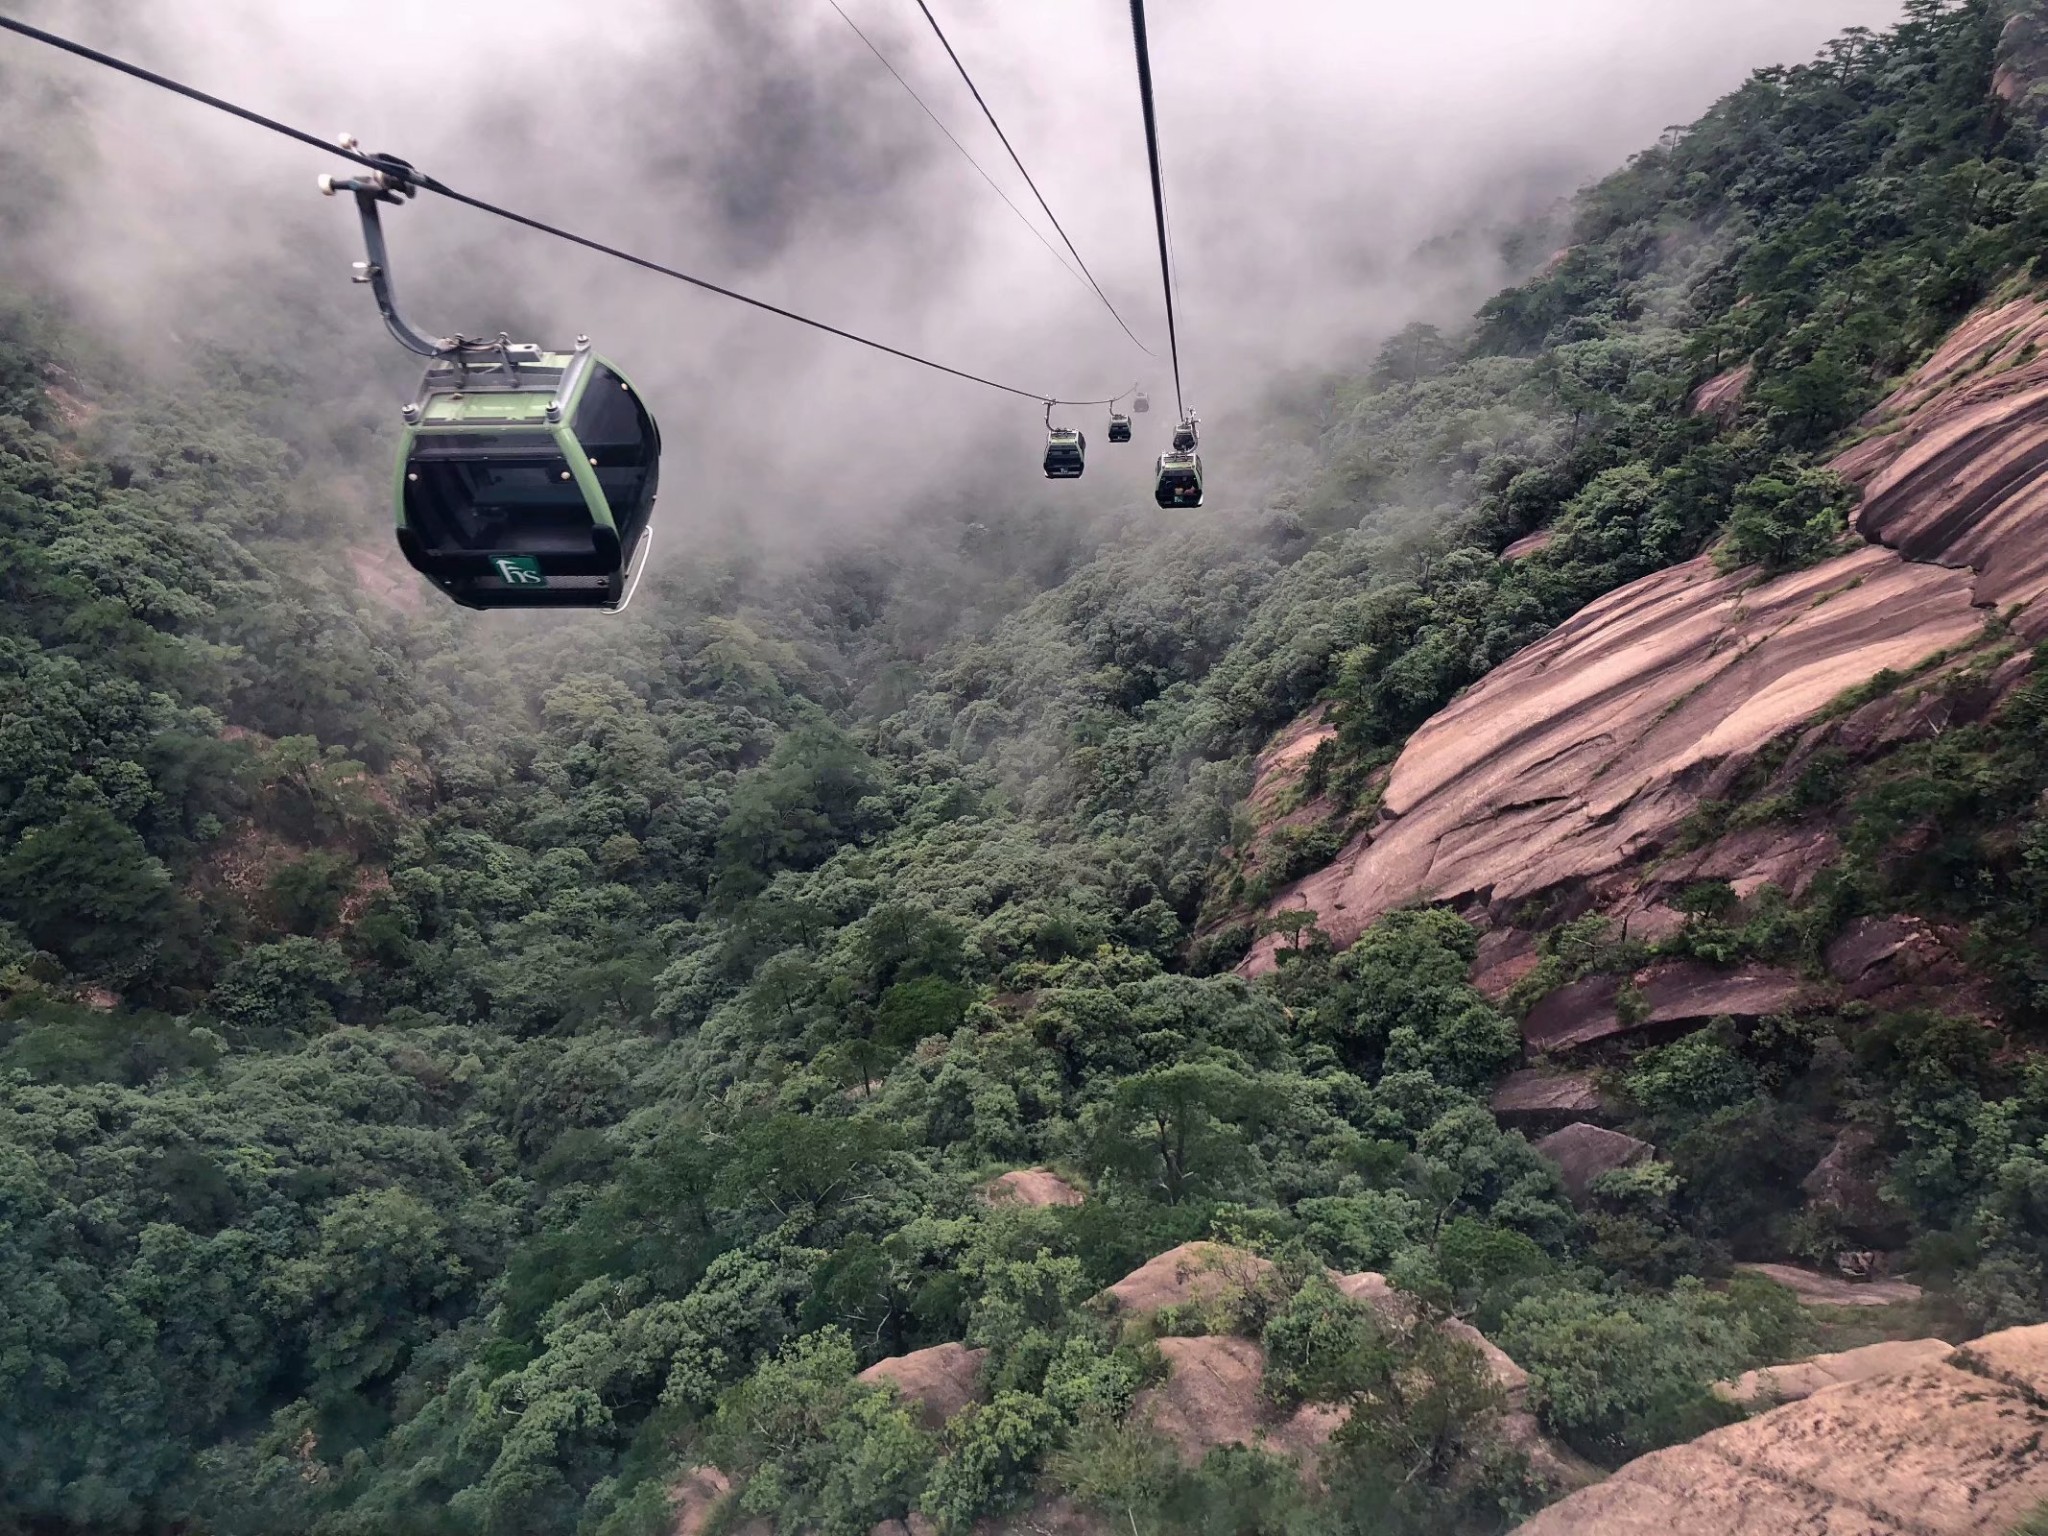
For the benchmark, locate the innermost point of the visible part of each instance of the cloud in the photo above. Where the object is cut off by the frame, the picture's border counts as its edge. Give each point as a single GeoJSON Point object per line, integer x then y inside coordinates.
{"type": "Point", "coordinates": [1312, 148]}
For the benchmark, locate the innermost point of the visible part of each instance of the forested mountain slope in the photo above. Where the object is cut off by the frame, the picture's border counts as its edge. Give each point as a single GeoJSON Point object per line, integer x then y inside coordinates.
{"type": "Point", "coordinates": [462, 1076]}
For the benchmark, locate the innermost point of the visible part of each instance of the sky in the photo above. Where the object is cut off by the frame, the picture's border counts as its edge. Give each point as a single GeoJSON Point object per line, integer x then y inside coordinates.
{"type": "Point", "coordinates": [1316, 153]}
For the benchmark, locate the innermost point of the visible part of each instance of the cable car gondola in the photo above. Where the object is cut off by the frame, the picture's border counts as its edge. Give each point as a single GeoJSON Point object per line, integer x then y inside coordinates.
{"type": "Point", "coordinates": [1179, 480]}
{"type": "Point", "coordinates": [1140, 403]}
{"type": "Point", "coordinates": [1185, 439]}
{"type": "Point", "coordinates": [527, 477]}
{"type": "Point", "coordinates": [1066, 450]}
{"type": "Point", "coordinates": [1119, 427]}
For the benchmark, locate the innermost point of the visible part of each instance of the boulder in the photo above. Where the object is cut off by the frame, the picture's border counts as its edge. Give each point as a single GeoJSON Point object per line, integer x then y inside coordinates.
{"type": "Point", "coordinates": [1214, 1395]}
{"type": "Point", "coordinates": [1874, 954]}
{"type": "Point", "coordinates": [1846, 1184]}
{"type": "Point", "coordinates": [1803, 1378]}
{"type": "Point", "coordinates": [1584, 1152]}
{"type": "Point", "coordinates": [1540, 1098]}
{"type": "Point", "coordinates": [1375, 1292]}
{"type": "Point", "coordinates": [693, 1499]}
{"type": "Point", "coordinates": [1191, 1275]}
{"type": "Point", "coordinates": [1815, 1289]}
{"type": "Point", "coordinates": [940, 1381]}
{"type": "Point", "coordinates": [1033, 1187]}
{"type": "Point", "coordinates": [1528, 544]}
{"type": "Point", "coordinates": [1943, 1448]}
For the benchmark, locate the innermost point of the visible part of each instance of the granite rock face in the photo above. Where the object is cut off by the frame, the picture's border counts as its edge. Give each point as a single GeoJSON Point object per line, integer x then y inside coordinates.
{"type": "Point", "coordinates": [1955, 1445]}
{"type": "Point", "coordinates": [1584, 1152]}
{"type": "Point", "coordinates": [1589, 749]}
{"type": "Point", "coordinates": [939, 1381]}
{"type": "Point", "coordinates": [1582, 755]}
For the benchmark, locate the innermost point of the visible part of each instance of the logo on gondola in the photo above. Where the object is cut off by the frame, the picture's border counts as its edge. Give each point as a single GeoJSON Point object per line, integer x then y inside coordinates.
{"type": "Point", "coordinates": [519, 570]}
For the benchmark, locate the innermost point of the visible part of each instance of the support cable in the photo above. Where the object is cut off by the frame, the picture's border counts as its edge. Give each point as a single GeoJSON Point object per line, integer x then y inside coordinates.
{"type": "Point", "coordinates": [383, 165]}
{"type": "Point", "coordinates": [938, 122]}
{"type": "Point", "coordinates": [939, 32]}
{"type": "Point", "coordinates": [1144, 52]}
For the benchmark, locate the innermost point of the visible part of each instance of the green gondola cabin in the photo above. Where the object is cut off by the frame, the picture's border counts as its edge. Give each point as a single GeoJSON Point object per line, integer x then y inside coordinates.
{"type": "Point", "coordinates": [1065, 452]}
{"type": "Point", "coordinates": [1179, 480]}
{"type": "Point", "coordinates": [526, 478]}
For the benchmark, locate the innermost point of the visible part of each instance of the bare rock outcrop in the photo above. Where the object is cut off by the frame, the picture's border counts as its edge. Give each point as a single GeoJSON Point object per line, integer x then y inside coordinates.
{"type": "Point", "coordinates": [1802, 1378]}
{"type": "Point", "coordinates": [1875, 954]}
{"type": "Point", "coordinates": [1815, 1289]}
{"type": "Point", "coordinates": [693, 1499]}
{"type": "Point", "coordinates": [1957, 480]}
{"type": "Point", "coordinates": [1505, 956]}
{"type": "Point", "coordinates": [1214, 1395]}
{"type": "Point", "coordinates": [1032, 1187]}
{"type": "Point", "coordinates": [1721, 394]}
{"type": "Point", "coordinates": [1670, 992]}
{"type": "Point", "coordinates": [1848, 1185]}
{"type": "Point", "coordinates": [1584, 753]}
{"type": "Point", "coordinates": [1374, 1291]}
{"type": "Point", "coordinates": [940, 1381]}
{"type": "Point", "coordinates": [1950, 1447]}
{"type": "Point", "coordinates": [1194, 1274]}
{"type": "Point", "coordinates": [1584, 1152]}
{"type": "Point", "coordinates": [1587, 750]}
{"type": "Point", "coordinates": [1538, 1098]}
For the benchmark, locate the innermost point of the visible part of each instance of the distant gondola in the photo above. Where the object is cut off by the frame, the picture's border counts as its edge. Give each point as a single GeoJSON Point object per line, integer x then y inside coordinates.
{"type": "Point", "coordinates": [1119, 427]}
{"type": "Point", "coordinates": [1141, 403]}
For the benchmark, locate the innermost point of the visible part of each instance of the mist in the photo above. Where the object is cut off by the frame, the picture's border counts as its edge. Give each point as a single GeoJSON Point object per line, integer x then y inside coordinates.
{"type": "Point", "coordinates": [1333, 172]}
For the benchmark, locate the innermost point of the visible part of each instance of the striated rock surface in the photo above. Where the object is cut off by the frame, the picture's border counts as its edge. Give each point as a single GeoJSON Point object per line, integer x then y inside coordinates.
{"type": "Point", "coordinates": [1583, 754]}
{"type": "Point", "coordinates": [1588, 750]}
{"type": "Point", "coordinates": [1802, 1378]}
{"type": "Point", "coordinates": [1958, 480]}
{"type": "Point", "coordinates": [1951, 1447]}
{"type": "Point", "coordinates": [940, 1381]}
{"type": "Point", "coordinates": [1720, 395]}
{"type": "Point", "coordinates": [1671, 992]}
{"type": "Point", "coordinates": [1033, 1187]}
{"type": "Point", "coordinates": [1505, 956]}
{"type": "Point", "coordinates": [1584, 1152]}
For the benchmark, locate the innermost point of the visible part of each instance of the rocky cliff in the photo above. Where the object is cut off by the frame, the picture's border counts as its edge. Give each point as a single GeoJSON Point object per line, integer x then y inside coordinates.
{"type": "Point", "coordinates": [1575, 765]}
{"type": "Point", "coordinates": [1949, 1446]}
